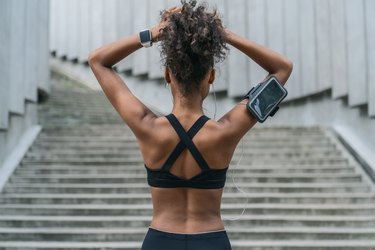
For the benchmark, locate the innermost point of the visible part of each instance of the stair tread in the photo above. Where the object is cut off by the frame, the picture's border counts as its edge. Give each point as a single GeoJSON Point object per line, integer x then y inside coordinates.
{"type": "Point", "coordinates": [141, 166]}
{"type": "Point", "coordinates": [67, 244]}
{"type": "Point", "coordinates": [304, 243]}
{"type": "Point", "coordinates": [225, 194]}
{"type": "Point", "coordinates": [229, 183]}
{"type": "Point", "coordinates": [148, 218]}
{"type": "Point", "coordinates": [224, 206]}
{"type": "Point", "coordinates": [234, 243]}
{"type": "Point", "coordinates": [72, 150]}
{"type": "Point", "coordinates": [136, 230]}
{"type": "Point", "coordinates": [143, 175]}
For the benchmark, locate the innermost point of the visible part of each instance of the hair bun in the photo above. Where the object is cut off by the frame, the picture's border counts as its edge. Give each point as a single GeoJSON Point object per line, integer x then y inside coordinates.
{"type": "Point", "coordinates": [191, 43]}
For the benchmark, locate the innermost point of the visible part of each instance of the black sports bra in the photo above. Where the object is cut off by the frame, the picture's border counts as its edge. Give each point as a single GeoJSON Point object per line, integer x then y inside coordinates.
{"type": "Point", "coordinates": [207, 179]}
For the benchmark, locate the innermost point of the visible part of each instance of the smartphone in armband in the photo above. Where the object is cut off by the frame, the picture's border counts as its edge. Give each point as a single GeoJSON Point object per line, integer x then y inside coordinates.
{"type": "Point", "coordinates": [264, 98]}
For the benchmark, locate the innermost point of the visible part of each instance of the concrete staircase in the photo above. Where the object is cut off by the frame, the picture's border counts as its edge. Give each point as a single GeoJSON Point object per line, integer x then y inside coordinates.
{"type": "Point", "coordinates": [82, 185]}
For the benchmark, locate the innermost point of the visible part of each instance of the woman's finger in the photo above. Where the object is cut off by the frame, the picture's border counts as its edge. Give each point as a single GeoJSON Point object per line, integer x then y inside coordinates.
{"type": "Point", "coordinates": [171, 8]}
{"type": "Point", "coordinates": [177, 10]}
{"type": "Point", "coordinates": [174, 9]}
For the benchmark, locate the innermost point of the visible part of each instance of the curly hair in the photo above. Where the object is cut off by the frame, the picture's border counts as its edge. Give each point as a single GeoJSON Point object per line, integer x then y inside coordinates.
{"type": "Point", "coordinates": [192, 42]}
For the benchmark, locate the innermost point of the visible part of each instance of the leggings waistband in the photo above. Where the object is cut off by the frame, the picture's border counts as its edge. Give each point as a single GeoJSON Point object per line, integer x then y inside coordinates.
{"type": "Point", "coordinates": [199, 235]}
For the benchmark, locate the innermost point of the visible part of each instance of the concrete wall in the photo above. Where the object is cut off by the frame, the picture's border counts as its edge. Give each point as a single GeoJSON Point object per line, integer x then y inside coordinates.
{"type": "Point", "coordinates": [24, 56]}
{"type": "Point", "coordinates": [331, 42]}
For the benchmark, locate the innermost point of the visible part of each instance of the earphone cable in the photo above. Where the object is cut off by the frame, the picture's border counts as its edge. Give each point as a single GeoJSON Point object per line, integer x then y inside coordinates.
{"type": "Point", "coordinates": [238, 163]}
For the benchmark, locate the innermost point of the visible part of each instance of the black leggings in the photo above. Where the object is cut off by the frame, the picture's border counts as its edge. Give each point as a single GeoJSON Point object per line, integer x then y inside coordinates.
{"type": "Point", "coordinates": [160, 240]}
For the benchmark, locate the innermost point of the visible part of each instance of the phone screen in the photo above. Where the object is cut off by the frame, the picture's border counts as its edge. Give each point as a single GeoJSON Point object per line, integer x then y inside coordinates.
{"type": "Point", "coordinates": [268, 99]}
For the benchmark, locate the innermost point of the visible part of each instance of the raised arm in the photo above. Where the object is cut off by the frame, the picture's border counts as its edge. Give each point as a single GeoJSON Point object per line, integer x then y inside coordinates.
{"type": "Point", "coordinates": [135, 114]}
{"type": "Point", "coordinates": [271, 61]}
{"type": "Point", "coordinates": [238, 120]}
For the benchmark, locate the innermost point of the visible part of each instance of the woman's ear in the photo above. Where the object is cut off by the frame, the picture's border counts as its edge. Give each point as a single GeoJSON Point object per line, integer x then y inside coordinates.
{"type": "Point", "coordinates": [212, 76]}
{"type": "Point", "coordinates": [167, 75]}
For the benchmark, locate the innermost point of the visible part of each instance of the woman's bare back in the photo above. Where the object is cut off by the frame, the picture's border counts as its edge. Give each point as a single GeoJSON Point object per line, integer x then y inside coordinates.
{"type": "Point", "coordinates": [186, 210]}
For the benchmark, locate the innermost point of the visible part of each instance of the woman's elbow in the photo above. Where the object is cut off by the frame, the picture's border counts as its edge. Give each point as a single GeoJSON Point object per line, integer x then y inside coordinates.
{"type": "Point", "coordinates": [288, 68]}
{"type": "Point", "coordinates": [93, 58]}
{"type": "Point", "coordinates": [284, 71]}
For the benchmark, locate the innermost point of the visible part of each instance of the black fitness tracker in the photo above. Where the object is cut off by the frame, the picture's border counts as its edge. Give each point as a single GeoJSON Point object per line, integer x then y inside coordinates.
{"type": "Point", "coordinates": [264, 98]}
{"type": "Point", "coordinates": [145, 38]}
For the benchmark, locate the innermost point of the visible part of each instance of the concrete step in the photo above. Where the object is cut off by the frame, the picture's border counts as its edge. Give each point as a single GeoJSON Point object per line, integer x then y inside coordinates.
{"type": "Point", "coordinates": [145, 198]}
{"type": "Point", "coordinates": [34, 245]}
{"type": "Point", "coordinates": [90, 161]}
{"type": "Point", "coordinates": [73, 121]}
{"type": "Point", "coordinates": [135, 178]}
{"type": "Point", "coordinates": [85, 187]}
{"type": "Point", "coordinates": [125, 137]}
{"type": "Point", "coordinates": [60, 109]}
{"type": "Point", "coordinates": [134, 146]}
{"type": "Point", "coordinates": [303, 245]}
{"type": "Point", "coordinates": [252, 146]}
{"type": "Point", "coordinates": [236, 245]}
{"type": "Point", "coordinates": [58, 115]}
{"type": "Point", "coordinates": [142, 187]}
{"type": "Point", "coordinates": [140, 170]}
{"type": "Point", "coordinates": [87, 129]}
{"type": "Point", "coordinates": [137, 234]}
{"type": "Point", "coordinates": [233, 167]}
{"type": "Point", "coordinates": [138, 160]}
{"type": "Point", "coordinates": [228, 219]}
{"type": "Point", "coordinates": [119, 129]}
{"type": "Point", "coordinates": [24, 170]}
{"type": "Point", "coordinates": [142, 175]}
{"type": "Point", "coordinates": [124, 171]}
{"type": "Point", "coordinates": [118, 153]}
{"type": "Point", "coordinates": [86, 101]}
{"type": "Point", "coordinates": [40, 147]}
{"type": "Point", "coordinates": [256, 130]}
{"type": "Point", "coordinates": [87, 108]}
{"type": "Point", "coordinates": [122, 130]}
{"type": "Point", "coordinates": [264, 130]}
{"type": "Point", "coordinates": [146, 209]}
{"type": "Point", "coordinates": [266, 145]}
{"type": "Point", "coordinates": [94, 139]}
{"type": "Point", "coordinates": [246, 157]}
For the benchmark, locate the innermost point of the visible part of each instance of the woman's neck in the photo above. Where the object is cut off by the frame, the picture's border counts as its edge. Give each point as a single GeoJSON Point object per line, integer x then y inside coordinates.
{"type": "Point", "coordinates": [189, 106]}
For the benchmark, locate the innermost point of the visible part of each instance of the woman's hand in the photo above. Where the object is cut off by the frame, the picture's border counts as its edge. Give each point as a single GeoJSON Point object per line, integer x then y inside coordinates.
{"type": "Point", "coordinates": [270, 60]}
{"type": "Point", "coordinates": [228, 35]}
{"type": "Point", "coordinates": [155, 30]}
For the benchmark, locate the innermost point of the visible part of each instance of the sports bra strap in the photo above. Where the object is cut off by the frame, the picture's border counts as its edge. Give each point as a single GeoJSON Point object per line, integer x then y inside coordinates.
{"type": "Point", "coordinates": [186, 138]}
{"type": "Point", "coordinates": [181, 146]}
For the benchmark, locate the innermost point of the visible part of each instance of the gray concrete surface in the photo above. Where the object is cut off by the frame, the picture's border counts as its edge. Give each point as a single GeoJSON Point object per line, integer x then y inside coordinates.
{"type": "Point", "coordinates": [10, 139]}
{"type": "Point", "coordinates": [24, 55]}
{"type": "Point", "coordinates": [83, 186]}
{"type": "Point", "coordinates": [5, 20]}
{"type": "Point", "coordinates": [17, 153]}
{"type": "Point", "coordinates": [330, 42]}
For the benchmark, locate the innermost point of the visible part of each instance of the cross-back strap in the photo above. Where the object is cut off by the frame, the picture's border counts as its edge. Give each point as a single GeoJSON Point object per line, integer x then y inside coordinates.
{"type": "Point", "coordinates": [186, 141]}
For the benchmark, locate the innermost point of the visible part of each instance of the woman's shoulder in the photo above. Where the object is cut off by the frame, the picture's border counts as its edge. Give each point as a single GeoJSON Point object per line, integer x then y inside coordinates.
{"type": "Point", "coordinates": [161, 129]}
{"type": "Point", "coordinates": [212, 130]}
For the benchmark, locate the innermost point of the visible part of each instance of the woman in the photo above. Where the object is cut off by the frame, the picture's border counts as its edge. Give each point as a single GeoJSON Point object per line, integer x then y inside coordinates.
{"type": "Point", "coordinates": [186, 154]}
